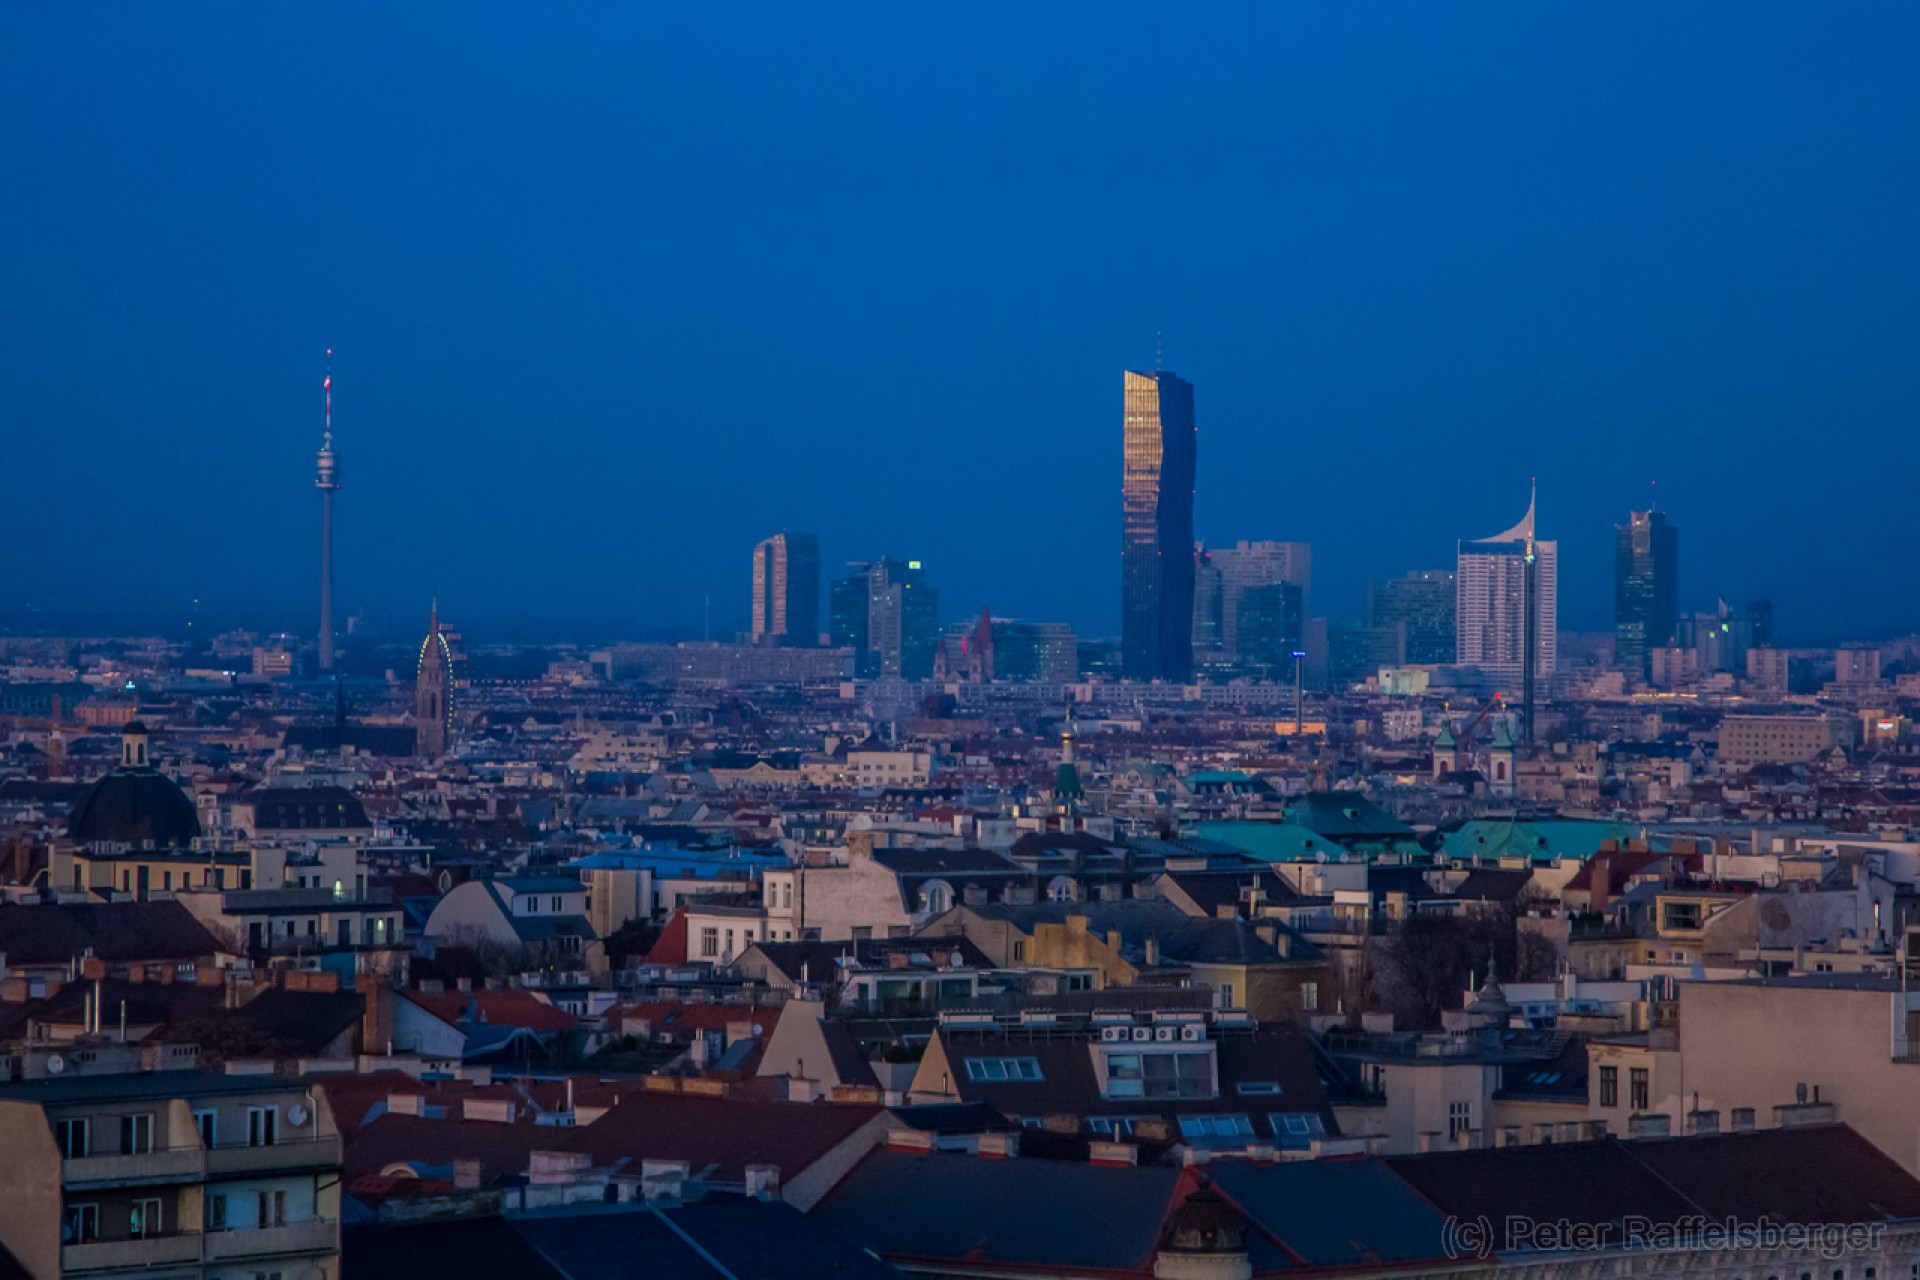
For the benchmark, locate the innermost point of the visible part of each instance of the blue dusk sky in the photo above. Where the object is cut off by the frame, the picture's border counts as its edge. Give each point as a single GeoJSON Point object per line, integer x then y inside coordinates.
{"type": "Point", "coordinates": [617, 290]}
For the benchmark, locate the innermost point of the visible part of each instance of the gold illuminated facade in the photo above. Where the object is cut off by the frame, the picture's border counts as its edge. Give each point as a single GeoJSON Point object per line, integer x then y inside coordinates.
{"type": "Point", "coordinates": [1156, 550]}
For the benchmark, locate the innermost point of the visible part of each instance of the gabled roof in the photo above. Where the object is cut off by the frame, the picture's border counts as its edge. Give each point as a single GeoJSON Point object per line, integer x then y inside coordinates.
{"type": "Point", "coordinates": [295, 1021]}
{"type": "Point", "coordinates": [509, 1008]}
{"type": "Point", "coordinates": [1826, 1174]}
{"type": "Point", "coordinates": [116, 932]}
{"type": "Point", "coordinates": [720, 1236]}
{"type": "Point", "coordinates": [719, 1135]}
{"type": "Point", "coordinates": [304, 808]}
{"type": "Point", "coordinates": [1030, 1213]}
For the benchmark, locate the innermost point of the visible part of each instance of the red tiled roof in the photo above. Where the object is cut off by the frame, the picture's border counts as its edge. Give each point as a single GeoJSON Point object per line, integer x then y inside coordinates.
{"type": "Point", "coordinates": [672, 945]}
{"type": "Point", "coordinates": [723, 1132]}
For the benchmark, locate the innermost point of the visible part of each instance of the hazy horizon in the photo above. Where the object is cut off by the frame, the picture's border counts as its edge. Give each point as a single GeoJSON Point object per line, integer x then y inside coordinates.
{"type": "Point", "coordinates": [616, 293]}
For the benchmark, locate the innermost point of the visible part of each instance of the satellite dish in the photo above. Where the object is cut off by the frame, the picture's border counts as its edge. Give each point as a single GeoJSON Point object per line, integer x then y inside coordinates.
{"type": "Point", "coordinates": [56, 1064]}
{"type": "Point", "coordinates": [297, 1114]}
{"type": "Point", "coordinates": [758, 1030]}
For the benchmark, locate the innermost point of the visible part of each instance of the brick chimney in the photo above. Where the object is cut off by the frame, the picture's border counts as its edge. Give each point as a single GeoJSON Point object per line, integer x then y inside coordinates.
{"type": "Point", "coordinates": [376, 1020]}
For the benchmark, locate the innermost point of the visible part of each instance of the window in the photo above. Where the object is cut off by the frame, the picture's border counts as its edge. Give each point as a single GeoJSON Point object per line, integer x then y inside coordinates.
{"type": "Point", "coordinates": [786, 896]}
{"type": "Point", "coordinates": [136, 1134]}
{"type": "Point", "coordinates": [1226, 995]}
{"type": "Point", "coordinates": [1019, 952]}
{"type": "Point", "coordinates": [1113, 1128]}
{"type": "Point", "coordinates": [997, 1070]}
{"type": "Point", "coordinates": [143, 1219]}
{"type": "Point", "coordinates": [217, 1212]}
{"type": "Point", "coordinates": [1459, 1120]}
{"type": "Point", "coordinates": [556, 906]}
{"type": "Point", "coordinates": [1310, 997]}
{"type": "Point", "coordinates": [74, 1137]}
{"type": "Point", "coordinates": [263, 1126]}
{"type": "Point", "coordinates": [1177, 1075]}
{"type": "Point", "coordinates": [83, 1223]}
{"type": "Point", "coordinates": [1296, 1129]}
{"type": "Point", "coordinates": [709, 942]}
{"type": "Point", "coordinates": [1637, 1088]}
{"type": "Point", "coordinates": [1610, 1086]}
{"type": "Point", "coordinates": [1203, 1127]}
{"type": "Point", "coordinates": [273, 1208]}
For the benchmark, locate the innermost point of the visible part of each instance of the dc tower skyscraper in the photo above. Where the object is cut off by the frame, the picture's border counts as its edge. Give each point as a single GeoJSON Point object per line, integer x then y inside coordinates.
{"type": "Point", "coordinates": [1156, 530]}
{"type": "Point", "coordinates": [327, 481]}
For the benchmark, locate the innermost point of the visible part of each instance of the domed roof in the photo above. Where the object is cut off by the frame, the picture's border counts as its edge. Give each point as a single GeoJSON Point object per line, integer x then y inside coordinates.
{"type": "Point", "coordinates": [135, 806]}
{"type": "Point", "coordinates": [1205, 1223]}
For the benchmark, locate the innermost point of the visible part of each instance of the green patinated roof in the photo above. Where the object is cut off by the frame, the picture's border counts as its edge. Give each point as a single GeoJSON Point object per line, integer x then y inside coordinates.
{"type": "Point", "coordinates": [1540, 841]}
{"type": "Point", "coordinates": [1270, 841]}
{"type": "Point", "coordinates": [1345, 815]}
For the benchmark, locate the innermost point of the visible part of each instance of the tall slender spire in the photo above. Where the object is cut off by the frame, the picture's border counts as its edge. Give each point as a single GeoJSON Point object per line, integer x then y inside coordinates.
{"type": "Point", "coordinates": [327, 480]}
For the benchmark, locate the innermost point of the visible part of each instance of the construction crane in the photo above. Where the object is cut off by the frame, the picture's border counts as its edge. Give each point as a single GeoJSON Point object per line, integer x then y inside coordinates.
{"type": "Point", "coordinates": [1464, 739]}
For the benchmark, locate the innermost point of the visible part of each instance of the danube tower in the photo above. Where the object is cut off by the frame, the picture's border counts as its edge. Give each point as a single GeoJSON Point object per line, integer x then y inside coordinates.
{"type": "Point", "coordinates": [327, 481]}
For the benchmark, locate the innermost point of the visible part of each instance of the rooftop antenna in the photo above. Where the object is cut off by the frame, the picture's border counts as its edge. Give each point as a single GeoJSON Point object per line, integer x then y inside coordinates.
{"type": "Point", "coordinates": [326, 385]}
{"type": "Point", "coordinates": [1158, 347]}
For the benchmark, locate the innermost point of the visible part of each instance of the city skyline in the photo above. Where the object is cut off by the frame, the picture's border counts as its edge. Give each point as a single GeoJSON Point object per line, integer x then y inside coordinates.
{"type": "Point", "coordinates": [1382, 283]}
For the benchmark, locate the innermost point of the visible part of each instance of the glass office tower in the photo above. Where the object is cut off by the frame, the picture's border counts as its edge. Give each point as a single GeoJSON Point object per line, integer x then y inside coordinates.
{"type": "Point", "coordinates": [786, 590]}
{"type": "Point", "coordinates": [1156, 536]}
{"type": "Point", "coordinates": [1646, 568]}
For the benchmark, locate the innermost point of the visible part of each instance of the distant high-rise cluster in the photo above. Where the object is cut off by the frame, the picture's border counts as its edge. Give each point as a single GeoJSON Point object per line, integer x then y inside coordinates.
{"type": "Point", "coordinates": [1251, 603]}
{"type": "Point", "coordinates": [1419, 611]}
{"type": "Point", "coordinates": [1646, 580]}
{"type": "Point", "coordinates": [786, 590]}
{"type": "Point", "coordinates": [1156, 549]}
{"type": "Point", "coordinates": [889, 615]}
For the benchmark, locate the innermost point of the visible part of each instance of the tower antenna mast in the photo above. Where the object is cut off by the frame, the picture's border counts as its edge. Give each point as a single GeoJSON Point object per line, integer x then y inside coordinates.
{"type": "Point", "coordinates": [326, 480]}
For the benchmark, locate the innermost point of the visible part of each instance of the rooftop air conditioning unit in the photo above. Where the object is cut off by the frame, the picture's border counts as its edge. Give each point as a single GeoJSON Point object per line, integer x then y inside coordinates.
{"type": "Point", "coordinates": [1191, 1031]}
{"type": "Point", "coordinates": [1163, 1033]}
{"type": "Point", "coordinates": [1111, 1034]}
{"type": "Point", "coordinates": [1143, 1033]}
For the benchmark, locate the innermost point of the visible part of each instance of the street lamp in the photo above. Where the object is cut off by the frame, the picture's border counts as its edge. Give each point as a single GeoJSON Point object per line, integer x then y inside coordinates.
{"type": "Point", "coordinates": [1299, 683]}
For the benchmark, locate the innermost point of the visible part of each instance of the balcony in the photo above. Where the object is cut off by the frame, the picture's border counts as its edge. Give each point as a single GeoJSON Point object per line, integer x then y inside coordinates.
{"type": "Point", "coordinates": [177, 1164]}
{"type": "Point", "coordinates": [300, 1153]}
{"type": "Point", "coordinates": [149, 1255]}
{"type": "Point", "coordinates": [316, 1236]}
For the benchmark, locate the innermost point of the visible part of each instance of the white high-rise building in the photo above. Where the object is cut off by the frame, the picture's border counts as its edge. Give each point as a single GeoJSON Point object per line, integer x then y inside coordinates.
{"type": "Point", "coordinates": [1490, 618]}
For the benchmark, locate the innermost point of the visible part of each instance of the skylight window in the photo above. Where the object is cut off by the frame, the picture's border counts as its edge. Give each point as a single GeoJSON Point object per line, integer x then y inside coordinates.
{"type": "Point", "coordinates": [1003, 1070]}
